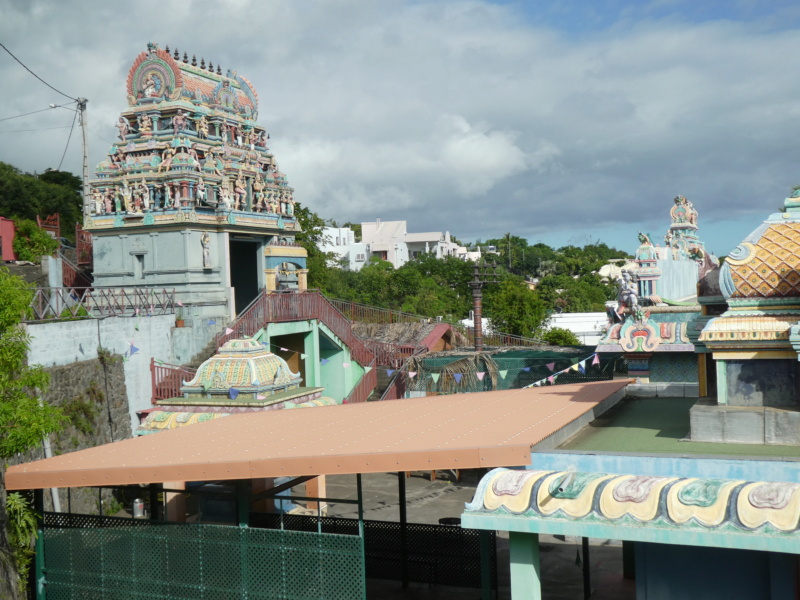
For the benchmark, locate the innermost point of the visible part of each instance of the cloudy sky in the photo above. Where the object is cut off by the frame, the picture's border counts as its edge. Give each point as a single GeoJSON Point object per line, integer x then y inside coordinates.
{"type": "Point", "coordinates": [562, 121]}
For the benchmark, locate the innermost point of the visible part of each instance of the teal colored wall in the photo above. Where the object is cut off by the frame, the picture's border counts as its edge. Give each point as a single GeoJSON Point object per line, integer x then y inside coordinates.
{"type": "Point", "coordinates": [320, 343]}
{"type": "Point", "coordinates": [673, 367]}
{"type": "Point", "coordinates": [666, 572]}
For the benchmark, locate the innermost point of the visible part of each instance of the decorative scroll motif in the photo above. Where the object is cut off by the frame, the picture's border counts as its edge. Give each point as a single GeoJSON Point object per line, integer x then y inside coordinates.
{"type": "Point", "coordinates": [631, 500]}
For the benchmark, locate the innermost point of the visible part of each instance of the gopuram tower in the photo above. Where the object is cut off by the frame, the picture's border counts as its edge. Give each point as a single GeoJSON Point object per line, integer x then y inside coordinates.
{"type": "Point", "coordinates": [190, 197]}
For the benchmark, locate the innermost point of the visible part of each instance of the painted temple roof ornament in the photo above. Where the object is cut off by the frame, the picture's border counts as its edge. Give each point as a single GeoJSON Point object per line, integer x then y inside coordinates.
{"type": "Point", "coordinates": [671, 504]}
{"type": "Point", "coordinates": [761, 284]}
{"type": "Point", "coordinates": [244, 365]}
{"type": "Point", "coordinates": [189, 142]}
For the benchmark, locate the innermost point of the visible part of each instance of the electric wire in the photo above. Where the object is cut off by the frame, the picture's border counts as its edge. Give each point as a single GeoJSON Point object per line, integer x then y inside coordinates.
{"type": "Point", "coordinates": [39, 129]}
{"type": "Point", "coordinates": [71, 129]}
{"type": "Point", "coordinates": [34, 74]}
{"type": "Point", "coordinates": [33, 112]}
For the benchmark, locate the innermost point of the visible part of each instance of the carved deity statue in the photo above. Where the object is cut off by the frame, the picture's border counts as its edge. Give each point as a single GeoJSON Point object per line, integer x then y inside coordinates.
{"type": "Point", "coordinates": [127, 197]}
{"type": "Point", "coordinates": [201, 191]}
{"type": "Point", "coordinates": [179, 122]}
{"type": "Point", "coordinates": [144, 192]}
{"type": "Point", "coordinates": [258, 193]}
{"type": "Point", "coordinates": [108, 199]}
{"type": "Point", "coordinates": [167, 195]}
{"type": "Point", "coordinates": [166, 162]}
{"type": "Point", "coordinates": [205, 240]}
{"type": "Point", "coordinates": [644, 239]}
{"type": "Point", "coordinates": [628, 296]}
{"type": "Point", "coordinates": [145, 125]}
{"type": "Point", "coordinates": [123, 127]}
{"type": "Point", "coordinates": [97, 197]}
{"type": "Point", "coordinates": [202, 126]}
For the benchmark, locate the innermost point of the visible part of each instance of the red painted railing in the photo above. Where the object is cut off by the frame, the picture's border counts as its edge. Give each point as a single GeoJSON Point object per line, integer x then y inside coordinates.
{"type": "Point", "coordinates": [71, 277]}
{"type": "Point", "coordinates": [389, 354]}
{"type": "Point", "coordinates": [296, 305]}
{"type": "Point", "coordinates": [364, 313]}
{"type": "Point", "coordinates": [363, 388]}
{"type": "Point", "coordinates": [167, 379]}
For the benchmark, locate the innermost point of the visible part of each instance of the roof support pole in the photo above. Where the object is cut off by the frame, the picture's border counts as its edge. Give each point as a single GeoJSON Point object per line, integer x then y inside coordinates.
{"type": "Point", "coordinates": [361, 532]}
{"type": "Point", "coordinates": [401, 501]}
{"type": "Point", "coordinates": [486, 564]}
{"type": "Point", "coordinates": [523, 554]}
{"type": "Point", "coordinates": [587, 580]}
{"type": "Point", "coordinates": [38, 507]}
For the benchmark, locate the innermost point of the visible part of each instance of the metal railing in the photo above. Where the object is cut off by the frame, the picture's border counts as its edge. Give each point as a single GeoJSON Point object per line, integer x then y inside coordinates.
{"type": "Point", "coordinates": [71, 276]}
{"type": "Point", "coordinates": [503, 339]}
{"type": "Point", "coordinates": [391, 354]}
{"type": "Point", "coordinates": [364, 313]}
{"type": "Point", "coordinates": [168, 379]}
{"type": "Point", "coordinates": [85, 302]}
{"type": "Point", "coordinates": [363, 388]}
{"type": "Point", "coordinates": [296, 305]}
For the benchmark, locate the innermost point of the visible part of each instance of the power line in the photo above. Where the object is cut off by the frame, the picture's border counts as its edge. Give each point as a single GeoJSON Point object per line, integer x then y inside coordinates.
{"type": "Point", "coordinates": [35, 75]}
{"type": "Point", "coordinates": [33, 112]}
{"type": "Point", "coordinates": [71, 129]}
{"type": "Point", "coordinates": [39, 129]}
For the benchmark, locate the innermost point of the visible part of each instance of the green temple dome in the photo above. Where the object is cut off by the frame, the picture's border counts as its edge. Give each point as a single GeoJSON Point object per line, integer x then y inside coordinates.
{"type": "Point", "coordinates": [246, 366]}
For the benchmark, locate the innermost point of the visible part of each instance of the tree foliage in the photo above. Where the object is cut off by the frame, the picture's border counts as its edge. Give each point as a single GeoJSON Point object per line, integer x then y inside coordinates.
{"type": "Point", "coordinates": [558, 336]}
{"type": "Point", "coordinates": [516, 309]}
{"type": "Point", "coordinates": [24, 421]}
{"type": "Point", "coordinates": [26, 196]}
{"type": "Point", "coordinates": [31, 242]}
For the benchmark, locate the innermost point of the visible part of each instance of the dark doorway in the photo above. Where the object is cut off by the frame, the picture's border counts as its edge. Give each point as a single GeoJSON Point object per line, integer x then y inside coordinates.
{"type": "Point", "coordinates": [244, 271]}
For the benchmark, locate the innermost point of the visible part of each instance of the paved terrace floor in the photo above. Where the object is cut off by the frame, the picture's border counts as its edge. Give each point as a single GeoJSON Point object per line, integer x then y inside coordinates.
{"type": "Point", "coordinates": [660, 426]}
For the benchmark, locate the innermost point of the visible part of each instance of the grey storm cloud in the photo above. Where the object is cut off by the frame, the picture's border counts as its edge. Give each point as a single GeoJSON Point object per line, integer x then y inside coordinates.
{"type": "Point", "coordinates": [467, 116]}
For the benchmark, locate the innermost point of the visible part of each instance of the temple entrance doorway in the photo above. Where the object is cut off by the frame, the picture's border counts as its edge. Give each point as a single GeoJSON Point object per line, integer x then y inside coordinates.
{"type": "Point", "coordinates": [244, 270]}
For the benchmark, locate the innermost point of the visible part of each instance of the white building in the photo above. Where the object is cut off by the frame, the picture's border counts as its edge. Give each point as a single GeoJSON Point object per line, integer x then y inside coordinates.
{"type": "Point", "coordinates": [342, 242]}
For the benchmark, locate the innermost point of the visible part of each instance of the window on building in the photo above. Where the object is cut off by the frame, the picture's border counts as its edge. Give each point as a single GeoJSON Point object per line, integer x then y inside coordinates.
{"type": "Point", "coordinates": [360, 258]}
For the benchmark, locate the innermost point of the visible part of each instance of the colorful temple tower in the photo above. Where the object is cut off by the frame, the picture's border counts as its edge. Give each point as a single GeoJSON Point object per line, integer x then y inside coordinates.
{"type": "Point", "coordinates": [190, 198]}
{"type": "Point", "coordinates": [661, 313]}
{"type": "Point", "coordinates": [756, 342]}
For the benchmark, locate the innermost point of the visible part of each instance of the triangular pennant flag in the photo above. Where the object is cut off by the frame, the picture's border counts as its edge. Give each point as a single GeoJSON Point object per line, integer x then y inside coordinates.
{"type": "Point", "coordinates": [283, 349]}
{"type": "Point", "coordinates": [503, 373]}
{"type": "Point", "coordinates": [581, 368]}
{"type": "Point", "coordinates": [412, 374]}
{"type": "Point", "coordinates": [457, 377]}
{"type": "Point", "coordinates": [538, 384]}
{"type": "Point", "coordinates": [136, 312]}
{"type": "Point", "coordinates": [134, 349]}
{"type": "Point", "coordinates": [212, 322]}
{"type": "Point", "coordinates": [526, 369]}
{"type": "Point", "coordinates": [228, 331]}
{"type": "Point", "coordinates": [389, 372]}
{"type": "Point", "coordinates": [596, 359]}
{"type": "Point", "coordinates": [232, 393]}
{"type": "Point", "coordinates": [324, 361]}
{"type": "Point", "coordinates": [551, 366]}
{"type": "Point", "coordinates": [480, 375]}
{"type": "Point", "coordinates": [552, 379]}
{"type": "Point", "coordinates": [180, 303]}
{"type": "Point", "coordinates": [435, 377]}
{"type": "Point", "coordinates": [302, 357]}
{"type": "Point", "coordinates": [574, 367]}
{"type": "Point", "coordinates": [345, 365]}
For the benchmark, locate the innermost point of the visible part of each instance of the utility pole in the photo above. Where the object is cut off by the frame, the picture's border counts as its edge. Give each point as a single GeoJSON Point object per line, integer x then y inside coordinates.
{"type": "Point", "coordinates": [87, 211]}
{"type": "Point", "coordinates": [484, 273]}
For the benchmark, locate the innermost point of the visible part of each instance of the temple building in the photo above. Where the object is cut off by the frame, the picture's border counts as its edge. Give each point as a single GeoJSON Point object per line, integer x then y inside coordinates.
{"type": "Point", "coordinates": [661, 313]}
{"type": "Point", "coordinates": [756, 341]}
{"type": "Point", "coordinates": [190, 197]}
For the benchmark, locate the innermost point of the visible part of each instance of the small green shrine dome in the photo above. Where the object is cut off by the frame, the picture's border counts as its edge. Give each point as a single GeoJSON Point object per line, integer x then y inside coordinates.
{"type": "Point", "coordinates": [244, 365]}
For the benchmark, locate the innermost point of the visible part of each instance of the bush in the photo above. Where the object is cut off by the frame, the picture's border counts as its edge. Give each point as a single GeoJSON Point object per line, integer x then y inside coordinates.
{"type": "Point", "coordinates": [558, 336]}
{"type": "Point", "coordinates": [31, 242]}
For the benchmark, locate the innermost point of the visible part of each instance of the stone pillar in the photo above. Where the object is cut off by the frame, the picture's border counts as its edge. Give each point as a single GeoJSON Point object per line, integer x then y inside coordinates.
{"type": "Point", "coordinates": [184, 193]}
{"type": "Point", "coordinates": [271, 279]}
{"type": "Point", "coordinates": [175, 503]}
{"type": "Point", "coordinates": [722, 382]}
{"type": "Point", "coordinates": [702, 376]}
{"type": "Point", "coordinates": [302, 279]}
{"type": "Point", "coordinates": [523, 554]}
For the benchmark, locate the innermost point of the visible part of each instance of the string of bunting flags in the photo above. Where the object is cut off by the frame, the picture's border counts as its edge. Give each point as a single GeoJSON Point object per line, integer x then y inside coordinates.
{"type": "Point", "coordinates": [579, 366]}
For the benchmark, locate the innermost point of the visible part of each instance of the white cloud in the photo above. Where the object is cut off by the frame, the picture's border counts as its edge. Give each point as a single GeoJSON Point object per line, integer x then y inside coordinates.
{"type": "Point", "coordinates": [460, 116]}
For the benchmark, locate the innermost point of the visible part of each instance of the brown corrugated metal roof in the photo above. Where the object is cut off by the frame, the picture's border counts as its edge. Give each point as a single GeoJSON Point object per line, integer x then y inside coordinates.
{"type": "Point", "coordinates": [488, 429]}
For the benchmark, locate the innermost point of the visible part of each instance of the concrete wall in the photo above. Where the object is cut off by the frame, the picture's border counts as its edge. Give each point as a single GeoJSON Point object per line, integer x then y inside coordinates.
{"type": "Point", "coordinates": [66, 342]}
{"type": "Point", "coordinates": [769, 382]}
{"type": "Point", "coordinates": [678, 279]}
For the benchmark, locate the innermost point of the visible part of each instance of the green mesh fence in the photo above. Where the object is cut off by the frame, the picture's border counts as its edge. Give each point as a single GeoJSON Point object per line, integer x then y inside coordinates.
{"type": "Point", "coordinates": [509, 370]}
{"type": "Point", "coordinates": [194, 562]}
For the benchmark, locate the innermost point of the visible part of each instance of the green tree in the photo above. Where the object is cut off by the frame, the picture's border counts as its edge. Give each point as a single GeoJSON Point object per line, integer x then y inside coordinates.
{"type": "Point", "coordinates": [24, 421]}
{"type": "Point", "coordinates": [515, 309]}
{"type": "Point", "coordinates": [558, 336]}
{"type": "Point", "coordinates": [31, 242]}
{"type": "Point", "coordinates": [310, 238]}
